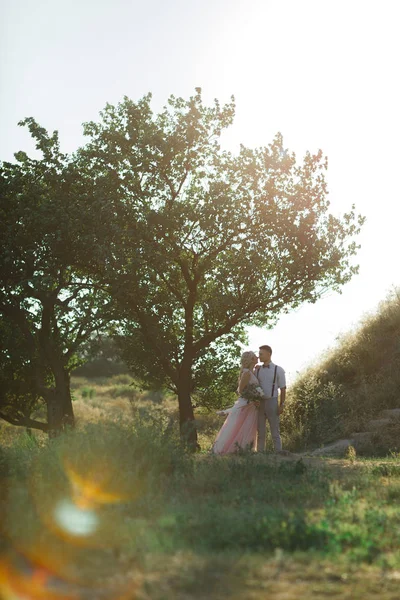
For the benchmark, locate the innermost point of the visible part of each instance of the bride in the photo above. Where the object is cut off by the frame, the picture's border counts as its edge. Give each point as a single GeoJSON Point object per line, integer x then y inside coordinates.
{"type": "Point", "coordinates": [240, 427]}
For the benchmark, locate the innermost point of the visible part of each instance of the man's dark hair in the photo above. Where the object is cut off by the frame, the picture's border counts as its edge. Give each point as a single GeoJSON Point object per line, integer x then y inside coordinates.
{"type": "Point", "coordinates": [267, 348]}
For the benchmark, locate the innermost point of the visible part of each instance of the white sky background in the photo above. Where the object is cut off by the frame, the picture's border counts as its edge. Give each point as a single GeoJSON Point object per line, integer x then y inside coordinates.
{"type": "Point", "coordinates": [325, 73]}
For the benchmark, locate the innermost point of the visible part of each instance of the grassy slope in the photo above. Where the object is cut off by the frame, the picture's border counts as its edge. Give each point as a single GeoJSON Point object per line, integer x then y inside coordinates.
{"type": "Point", "coordinates": [352, 383]}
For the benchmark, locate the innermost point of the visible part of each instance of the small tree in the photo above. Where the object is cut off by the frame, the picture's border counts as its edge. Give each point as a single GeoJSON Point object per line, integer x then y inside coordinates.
{"type": "Point", "coordinates": [48, 303]}
{"type": "Point", "coordinates": [205, 242]}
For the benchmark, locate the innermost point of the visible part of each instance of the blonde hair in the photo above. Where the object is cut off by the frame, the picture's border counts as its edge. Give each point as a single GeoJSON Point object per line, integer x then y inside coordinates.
{"type": "Point", "coordinates": [245, 361]}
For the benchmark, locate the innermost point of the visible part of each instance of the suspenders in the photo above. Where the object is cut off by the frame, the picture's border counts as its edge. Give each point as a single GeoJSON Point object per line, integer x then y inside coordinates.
{"type": "Point", "coordinates": [274, 382]}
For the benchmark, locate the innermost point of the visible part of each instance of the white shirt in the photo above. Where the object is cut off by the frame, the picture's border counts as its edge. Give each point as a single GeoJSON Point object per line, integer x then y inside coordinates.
{"type": "Point", "coordinates": [265, 375]}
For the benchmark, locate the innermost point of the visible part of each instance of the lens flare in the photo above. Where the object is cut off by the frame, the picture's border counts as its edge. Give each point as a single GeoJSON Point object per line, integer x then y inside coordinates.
{"type": "Point", "coordinates": [91, 490]}
{"type": "Point", "coordinates": [33, 583]}
{"type": "Point", "coordinates": [21, 579]}
{"type": "Point", "coordinates": [63, 530]}
{"type": "Point", "coordinates": [75, 520]}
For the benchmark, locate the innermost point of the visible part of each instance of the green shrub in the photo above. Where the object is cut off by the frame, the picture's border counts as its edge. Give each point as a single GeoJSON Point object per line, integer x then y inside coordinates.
{"type": "Point", "coordinates": [87, 392]}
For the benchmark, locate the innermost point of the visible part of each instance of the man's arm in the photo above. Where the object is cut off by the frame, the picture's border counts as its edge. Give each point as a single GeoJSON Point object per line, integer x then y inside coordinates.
{"type": "Point", "coordinates": [257, 370]}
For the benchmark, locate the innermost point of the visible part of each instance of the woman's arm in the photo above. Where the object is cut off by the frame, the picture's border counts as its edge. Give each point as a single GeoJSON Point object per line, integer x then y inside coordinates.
{"type": "Point", "coordinates": [244, 380]}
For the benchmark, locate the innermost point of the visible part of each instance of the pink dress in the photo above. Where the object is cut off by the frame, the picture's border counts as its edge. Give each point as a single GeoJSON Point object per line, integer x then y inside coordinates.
{"type": "Point", "coordinates": [240, 427]}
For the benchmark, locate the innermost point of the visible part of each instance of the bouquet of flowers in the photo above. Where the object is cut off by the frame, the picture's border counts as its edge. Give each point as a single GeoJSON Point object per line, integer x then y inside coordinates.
{"type": "Point", "coordinates": [252, 393]}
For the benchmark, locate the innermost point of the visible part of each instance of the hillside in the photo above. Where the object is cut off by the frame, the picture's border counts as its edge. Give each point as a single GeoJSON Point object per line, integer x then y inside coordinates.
{"type": "Point", "coordinates": [351, 385]}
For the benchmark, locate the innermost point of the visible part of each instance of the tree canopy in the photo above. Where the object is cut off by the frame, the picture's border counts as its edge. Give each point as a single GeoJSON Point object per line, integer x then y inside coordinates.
{"type": "Point", "coordinates": [49, 301]}
{"type": "Point", "coordinates": [187, 243]}
{"type": "Point", "coordinates": [209, 241]}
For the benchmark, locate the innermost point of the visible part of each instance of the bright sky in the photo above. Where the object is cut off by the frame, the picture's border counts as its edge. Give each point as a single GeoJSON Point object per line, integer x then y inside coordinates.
{"type": "Point", "coordinates": [323, 73]}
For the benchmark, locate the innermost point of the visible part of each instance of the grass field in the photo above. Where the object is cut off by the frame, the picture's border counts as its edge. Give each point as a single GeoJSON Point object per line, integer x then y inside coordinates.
{"type": "Point", "coordinates": [166, 524]}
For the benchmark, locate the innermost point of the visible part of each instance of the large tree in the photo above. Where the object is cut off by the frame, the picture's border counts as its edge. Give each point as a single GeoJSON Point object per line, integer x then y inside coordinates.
{"type": "Point", "coordinates": [49, 303]}
{"type": "Point", "coordinates": [204, 241]}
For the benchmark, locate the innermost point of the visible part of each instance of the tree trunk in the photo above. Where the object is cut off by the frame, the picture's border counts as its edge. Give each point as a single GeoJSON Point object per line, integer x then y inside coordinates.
{"type": "Point", "coordinates": [68, 411]}
{"type": "Point", "coordinates": [54, 413]}
{"type": "Point", "coordinates": [60, 413]}
{"type": "Point", "coordinates": [186, 415]}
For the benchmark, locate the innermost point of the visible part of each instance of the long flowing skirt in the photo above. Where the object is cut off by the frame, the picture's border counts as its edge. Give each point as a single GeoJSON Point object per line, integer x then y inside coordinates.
{"type": "Point", "coordinates": [239, 429]}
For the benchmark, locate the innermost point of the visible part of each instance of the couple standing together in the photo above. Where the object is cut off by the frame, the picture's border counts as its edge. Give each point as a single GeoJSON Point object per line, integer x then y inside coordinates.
{"type": "Point", "coordinates": [245, 425]}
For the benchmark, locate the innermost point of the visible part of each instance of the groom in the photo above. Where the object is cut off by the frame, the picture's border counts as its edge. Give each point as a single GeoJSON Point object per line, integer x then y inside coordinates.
{"type": "Point", "coordinates": [271, 378]}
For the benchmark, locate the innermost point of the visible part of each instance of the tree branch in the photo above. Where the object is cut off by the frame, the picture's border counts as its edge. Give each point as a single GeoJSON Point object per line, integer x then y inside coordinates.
{"type": "Point", "coordinates": [25, 422]}
{"type": "Point", "coordinates": [227, 242]}
{"type": "Point", "coordinates": [171, 288]}
{"type": "Point", "coordinates": [144, 325]}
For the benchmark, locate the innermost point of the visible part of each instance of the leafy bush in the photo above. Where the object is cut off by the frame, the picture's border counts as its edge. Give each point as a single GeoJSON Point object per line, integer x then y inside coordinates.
{"type": "Point", "coordinates": [88, 392]}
